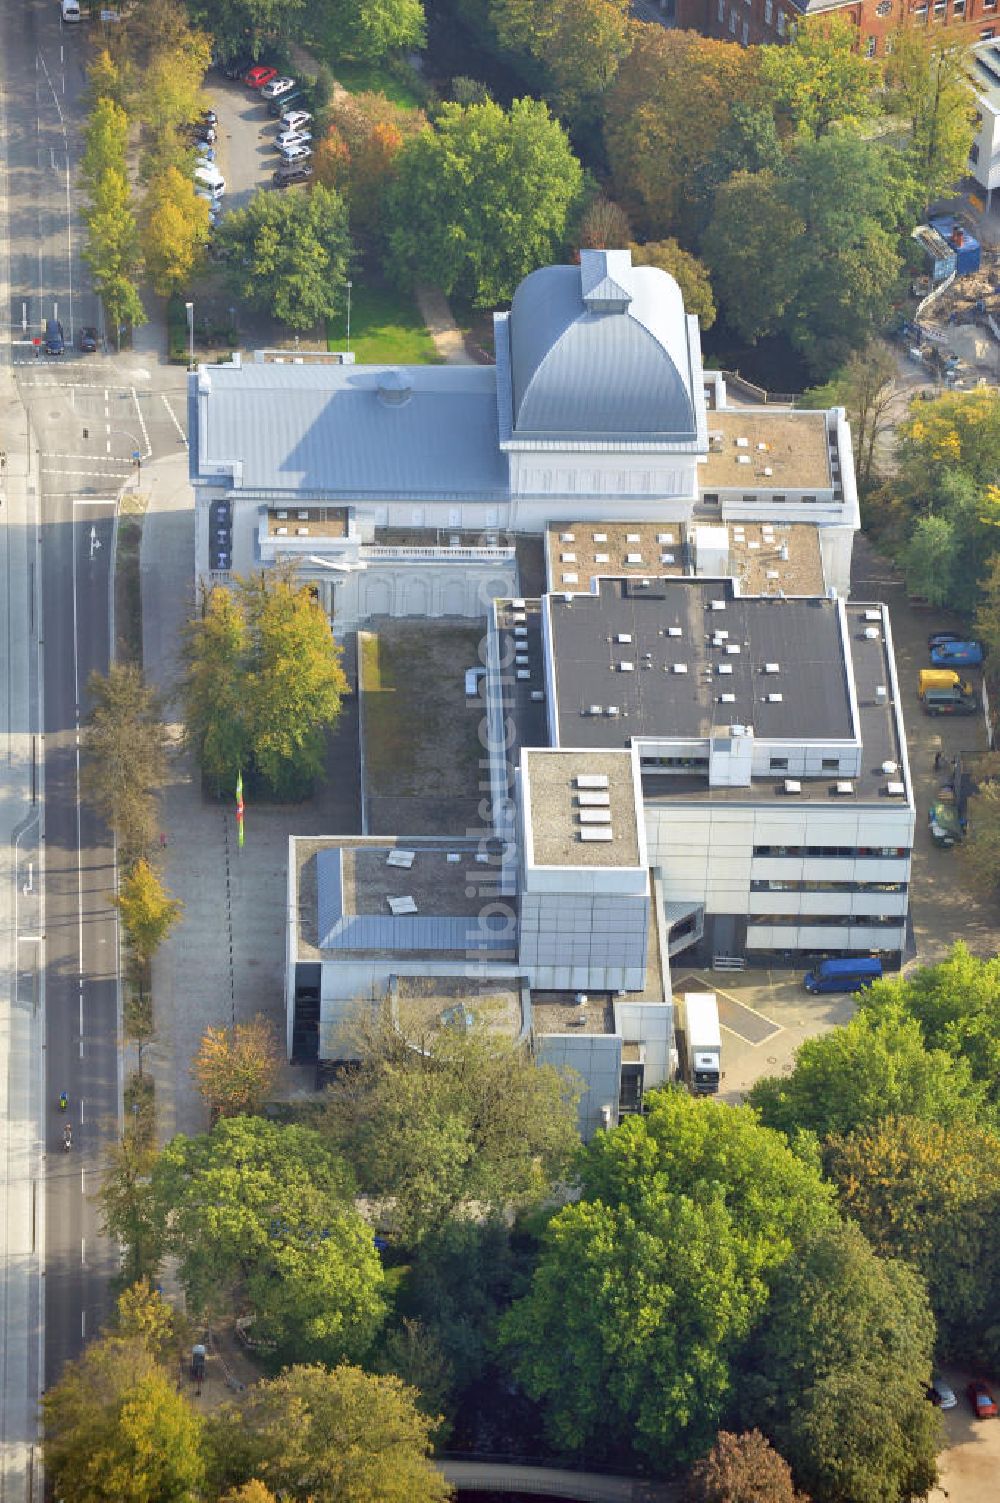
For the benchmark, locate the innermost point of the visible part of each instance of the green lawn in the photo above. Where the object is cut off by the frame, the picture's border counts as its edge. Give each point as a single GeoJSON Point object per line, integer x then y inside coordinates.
{"type": "Point", "coordinates": [386, 329]}
{"type": "Point", "coordinates": [374, 77]}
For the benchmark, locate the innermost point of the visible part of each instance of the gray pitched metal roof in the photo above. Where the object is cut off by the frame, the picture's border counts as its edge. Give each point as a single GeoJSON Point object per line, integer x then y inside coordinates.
{"type": "Point", "coordinates": [602, 349]}
{"type": "Point", "coordinates": [351, 430]}
{"type": "Point", "coordinates": [413, 931]}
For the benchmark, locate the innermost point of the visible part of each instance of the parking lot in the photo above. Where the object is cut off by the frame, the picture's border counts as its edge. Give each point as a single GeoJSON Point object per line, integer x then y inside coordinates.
{"type": "Point", "coordinates": [244, 150]}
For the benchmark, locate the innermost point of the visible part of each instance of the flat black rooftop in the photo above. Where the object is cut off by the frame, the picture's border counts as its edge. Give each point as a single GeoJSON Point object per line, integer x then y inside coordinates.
{"type": "Point", "coordinates": [679, 622]}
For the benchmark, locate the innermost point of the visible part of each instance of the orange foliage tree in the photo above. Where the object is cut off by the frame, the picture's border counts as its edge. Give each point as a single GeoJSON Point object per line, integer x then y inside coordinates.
{"type": "Point", "coordinates": [236, 1067]}
{"type": "Point", "coordinates": [357, 156]}
{"type": "Point", "coordinates": [668, 109]}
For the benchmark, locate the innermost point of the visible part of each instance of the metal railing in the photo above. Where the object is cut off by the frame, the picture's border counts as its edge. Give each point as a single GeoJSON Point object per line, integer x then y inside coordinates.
{"type": "Point", "coordinates": [439, 552]}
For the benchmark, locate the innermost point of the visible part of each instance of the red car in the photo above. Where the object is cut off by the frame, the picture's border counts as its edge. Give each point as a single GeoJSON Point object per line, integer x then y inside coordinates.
{"type": "Point", "coordinates": [259, 76]}
{"type": "Point", "coordinates": [982, 1401]}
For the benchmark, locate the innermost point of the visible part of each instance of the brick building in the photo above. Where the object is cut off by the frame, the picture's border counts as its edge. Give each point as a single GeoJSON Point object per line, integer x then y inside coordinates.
{"type": "Point", "coordinates": [750, 22]}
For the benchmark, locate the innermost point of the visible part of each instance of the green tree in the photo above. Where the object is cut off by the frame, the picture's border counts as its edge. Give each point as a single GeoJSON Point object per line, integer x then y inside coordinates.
{"type": "Point", "coordinates": [929, 86]}
{"type": "Point", "coordinates": [956, 1005]}
{"type": "Point", "coordinates": [875, 1066]}
{"type": "Point", "coordinates": [288, 254]}
{"type": "Point", "coordinates": [669, 79]}
{"type": "Point", "coordinates": [742, 1469]}
{"type": "Point", "coordinates": [263, 1215]}
{"type": "Point", "coordinates": [243, 708]}
{"type": "Point", "coordinates": [866, 387]}
{"type": "Point", "coordinates": [415, 1355]}
{"type": "Point", "coordinates": [112, 248]}
{"type": "Point", "coordinates": [835, 1375]}
{"type": "Point", "coordinates": [317, 1436]}
{"type": "Point", "coordinates": [931, 1195]}
{"type": "Point", "coordinates": [117, 1431]}
{"type": "Point", "coordinates": [105, 141]}
{"type": "Point", "coordinates": [646, 1289]}
{"type": "Point", "coordinates": [581, 44]}
{"type": "Point", "coordinates": [236, 1067]}
{"type": "Point", "coordinates": [125, 761]}
{"type": "Point", "coordinates": [819, 79]}
{"type": "Point", "coordinates": [752, 275]}
{"type": "Point", "coordinates": [928, 559]}
{"type": "Point", "coordinates": [126, 1204]}
{"type": "Point", "coordinates": [147, 909]}
{"type": "Point", "coordinates": [467, 1118]}
{"type": "Point", "coordinates": [987, 618]}
{"type": "Point", "coordinates": [372, 28]}
{"type": "Point", "coordinates": [240, 26]}
{"type": "Point", "coordinates": [690, 274]}
{"type": "Point", "coordinates": [174, 231]}
{"type": "Point", "coordinates": [482, 199]}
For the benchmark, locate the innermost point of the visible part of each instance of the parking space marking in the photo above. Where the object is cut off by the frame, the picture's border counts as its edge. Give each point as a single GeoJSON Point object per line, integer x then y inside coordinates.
{"type": "Point", "coordinates": [756, 1028]}
{"type": "Point", "coordinates": [173, 419]}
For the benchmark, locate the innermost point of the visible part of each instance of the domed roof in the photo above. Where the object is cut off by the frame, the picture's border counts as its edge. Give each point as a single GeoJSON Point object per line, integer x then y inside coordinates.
{"type": "Point", "coordinates": [601, 349]}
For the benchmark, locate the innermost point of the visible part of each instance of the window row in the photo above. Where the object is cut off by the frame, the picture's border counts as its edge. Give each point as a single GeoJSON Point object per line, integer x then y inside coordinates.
{"type": "Point", "coordinates": [876, 852]}
{"type": "Point", "coordinates": [769, 886]}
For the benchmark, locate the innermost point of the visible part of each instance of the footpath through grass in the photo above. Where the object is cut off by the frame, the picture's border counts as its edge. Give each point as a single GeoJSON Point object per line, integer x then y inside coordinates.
{"type": "Point", "coordinates": [386, 329]}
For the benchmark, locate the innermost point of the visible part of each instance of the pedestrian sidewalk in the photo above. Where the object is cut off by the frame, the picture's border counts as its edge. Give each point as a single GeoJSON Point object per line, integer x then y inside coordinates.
{"type": "Point", "coordinates": [441, 326]}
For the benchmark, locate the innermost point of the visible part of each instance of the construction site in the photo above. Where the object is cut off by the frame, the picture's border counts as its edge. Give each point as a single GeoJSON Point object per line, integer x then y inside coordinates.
{"type": "Point", "coordinates": [952, 326]}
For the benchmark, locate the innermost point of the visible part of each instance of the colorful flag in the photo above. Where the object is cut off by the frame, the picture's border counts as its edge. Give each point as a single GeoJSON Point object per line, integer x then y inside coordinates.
{"type": "Point", "coordinates": [239, 808]}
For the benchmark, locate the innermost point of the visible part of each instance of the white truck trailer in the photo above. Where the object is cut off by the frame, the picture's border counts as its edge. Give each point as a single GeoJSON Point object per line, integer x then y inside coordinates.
{"type": "Point", "coordinates": [702, 1056]}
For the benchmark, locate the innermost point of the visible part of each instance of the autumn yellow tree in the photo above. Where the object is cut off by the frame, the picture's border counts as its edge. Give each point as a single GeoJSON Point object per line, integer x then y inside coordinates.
{"type": "Point", "coordinates": [690, 274]}
{"type": "Point", "coordinates": [668, 80]}
{"type": "Point", "coordinates": [235, 1067]}
{"type": "Point", "coordinates": [174, 231]}
{"type": "Point", "coordinates": [147, 909]}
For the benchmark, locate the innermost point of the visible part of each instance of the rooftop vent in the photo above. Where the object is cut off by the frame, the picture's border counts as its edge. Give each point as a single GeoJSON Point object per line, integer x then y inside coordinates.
{"type": "Point", "coordinates": [625, 666]}
{"type": "Point", "coordinates": [600, 537]}
{"type": "Point", "coordinates": [762, 447]}
{"type": "Point", "coordinates": [727, 699]}
{"type": "Point", "coordinates": [843, 789]}
{"type": "Point", "coordinates": [633, 537]}
{"type": "Point", "coordinates": [783, 553]}
{"type": "Point", "coordinates": [597, 832]}
{"type": "Point", "coordinates": [724, 668]}
{"type": "Point", "coordinates": [733, 648]}
{"type": "Point", "coordinates": [717, 605]}
{"type": "Point", "coordinates": [394, 390]}
{"type": "Point", "coordinates": [775, 699]}
{"type": "Point", "coordinates": [674, 631]}
{"type": "Point", "coordinates": [768, 470]}
{"type": "Point", "coordinates": [567, 537]}
{"type": "Point", "coordinates": [593, 710]}
{"type": "Point", "coordinates": [591, 780]}
{"type": "Point", "coordinates": [594, 816]}
{"type": "Point", "coordinates": [792, 785]}
{"type": "Point", "coordinates": [613, 711]}
{"type": "Point", "coordinates": [716, 441]}
{"type": "Point", "coordinates": [873, 615]}
{"type": "Point", "coordinates": [680, 668]}
{"type": "Point", "coordinates": [399, 906]}
{"type": "Point", "coordinates": [623, 636]}
{"type": "Point", "coordinates": [871, 633]}
{"type": "Point", "coordinates": [664, 537]}
{"type": "Point", "coordinates": [743, 459]}
{"type": "Point", "coordinates": [895, 790]}
{"type": "Point", "coordinates": [772, 667]}
{"type": "Point", "coordinates": [742, 443]}
{"type": "Point", "coordinates": [890, 767]}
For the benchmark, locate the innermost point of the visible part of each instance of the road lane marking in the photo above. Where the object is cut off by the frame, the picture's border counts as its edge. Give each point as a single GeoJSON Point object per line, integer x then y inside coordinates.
{"type": "Point", "coordinates": [142, 424]}
{"type": "Point", "coordinates": [173, 419]}
{"type": "Point", "coordinates": [83, 1251]}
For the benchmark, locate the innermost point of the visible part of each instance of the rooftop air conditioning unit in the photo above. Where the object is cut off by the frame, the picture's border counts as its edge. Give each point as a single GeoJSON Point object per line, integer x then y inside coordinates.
{"type": "Point", "coordinates": [727, 699]}
{"type": "Point", "coordinates": [772, 667]}
{"type": "Point", "coordinates": [775, 699]}
{"type": "Point", "coordinates": [895, 790]}
{"type": "Point", "coordinates": [843, 788]}
{"type": "Point", "coordinates": [871, 633]}
{"type": "Point", "coordinates": [792, 785]}
{"type": "Point", "coordinates": [890, 767]}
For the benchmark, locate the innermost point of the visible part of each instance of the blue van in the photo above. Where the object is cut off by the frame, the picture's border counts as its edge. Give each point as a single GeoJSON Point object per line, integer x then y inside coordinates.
{"type": "Point", "coordinates": [55, 342]}
{"type": "Point", "coordinates": [850, 973]}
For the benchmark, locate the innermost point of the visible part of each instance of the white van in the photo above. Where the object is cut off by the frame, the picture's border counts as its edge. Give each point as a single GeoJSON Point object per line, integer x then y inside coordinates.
{"type": "Point", "coordinates": [210, 178]}
{"type": "Point", "coordinates": [71, 10]}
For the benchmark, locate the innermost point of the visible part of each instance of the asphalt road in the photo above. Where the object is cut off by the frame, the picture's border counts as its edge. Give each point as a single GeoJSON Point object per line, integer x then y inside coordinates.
{"type": "Point", "coordinates": [93, 421]}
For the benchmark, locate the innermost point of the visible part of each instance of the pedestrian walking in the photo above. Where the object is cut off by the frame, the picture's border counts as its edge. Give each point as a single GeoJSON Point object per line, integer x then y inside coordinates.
{"type": "Point", "coordinates": [938, 763]}
{"type": "Point", "coordinates": [163, 841]}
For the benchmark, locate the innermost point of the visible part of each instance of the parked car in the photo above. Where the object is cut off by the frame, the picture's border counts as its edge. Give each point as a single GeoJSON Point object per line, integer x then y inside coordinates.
{"type": "Point", "coordinates": [206, 134]}
{"type": "Point", "coordinates": [55, 341]}
{"type": "Point", "coordinates": [297, 153]}
{"type": "Point", "coordinates": [208, 179]}
{"type": "Point", "coordinates": [236, 67]}
{"type": "Point", "coordinates": [945, 824]}
{"type": "Point", "coordinates": [209, 117]}
{"type": "Point", "coordinates": [205, 152]}
{"type": "Point", "coordinates": [295, 120]}
{"type": "Point", "coordinates": [87, 339]}
{"type": "Point", "coordinates": [293, 101]}
{"type": "Point", "coordinates": [947, 654]}
{"type": "Point", "coordinates": [293, 172]}
{"type": "Point", "coordinates": [983, 1403]}
{"type": "Point", "coordinates": [950, 702]}
{"type": "Point", "coordinates": [293, 138]}
{"type": "Point", "coordinates": [941, 1393]}
{"type": "Point", "coordinates": [277, 88]}
{"type": "Point", "coordinates": [259, 75]}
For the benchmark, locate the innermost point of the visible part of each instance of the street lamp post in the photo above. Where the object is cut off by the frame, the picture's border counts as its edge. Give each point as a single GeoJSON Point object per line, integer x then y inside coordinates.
{"type": "Point", "coordinates": [349, 286]}
{"type": "Point", "coordinates": [190, 314]}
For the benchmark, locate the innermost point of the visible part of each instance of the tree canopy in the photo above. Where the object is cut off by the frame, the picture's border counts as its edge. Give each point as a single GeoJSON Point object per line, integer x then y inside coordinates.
{"type": "Point", "coordinates": [147, 909]}
{"type": "Point", "coordinates": [125, 762]}
{"type": "Point", "coordinates": [877, 1065]}
{"type": "Point", "coordinates": [684, 1216]}
{"type": "Point", "coordinates": [836, 1374]}
{"type": "Point", "coordinates": [466, 1119]}
{"type": "Point", "coordinates": [174, 230]}
{"type": "Point", "coordinates": [261, 1216]}
{"type": "Point", "coordinates": [236, 1067]}
{"type": "Point", "coordinates": [117, 1431]}
{"type": "Point", "coordinates": [482, 199]}
{"type": "Point", "coordinates": [742, 1469]}
{"type": "Point", "coordinates": [318, 1436]}
{"type": "Point", "coordinates": [930, 88]}
{"type": "Point", "coordinates": [931, 1195]}
{"type": "Point", "coordinates": [820, 79]}
{"type": "Point", "coordinates": [288, 254]}
{"type": "Point", "coordinates": [371, 28]}
{"type": "Point", "coordinates": [244, 709]}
